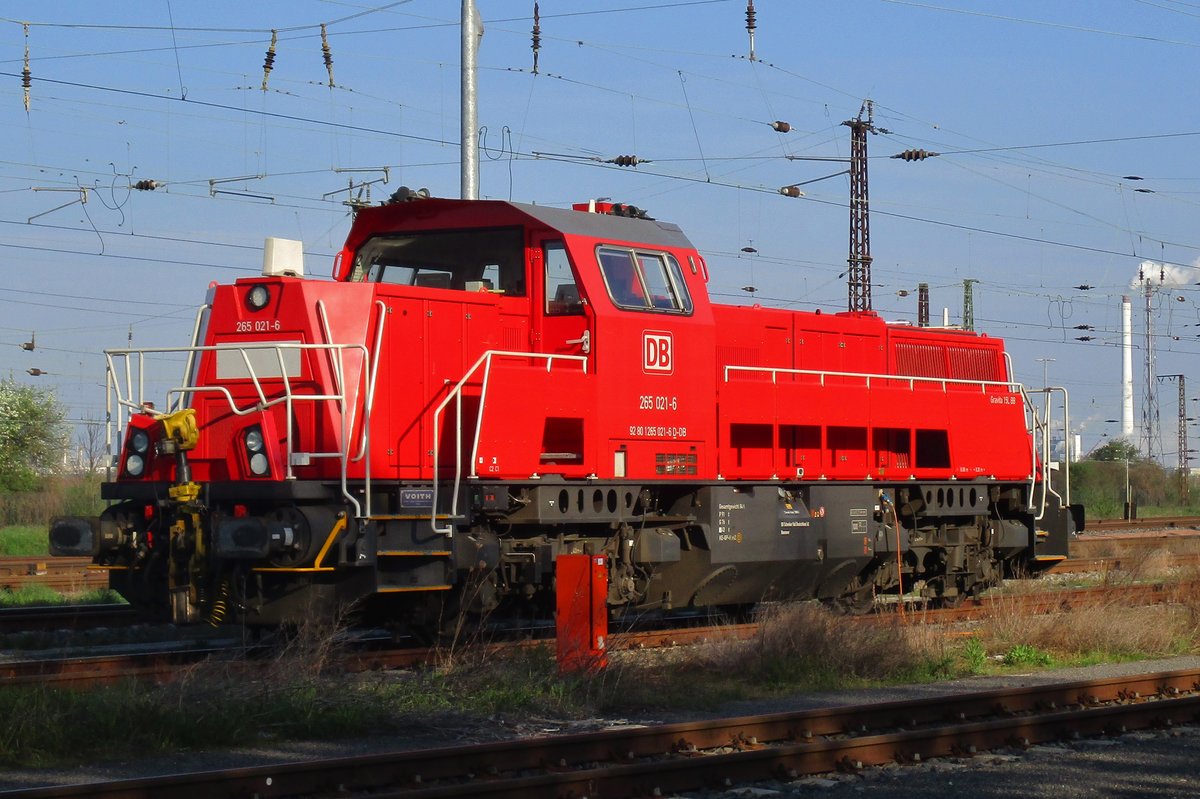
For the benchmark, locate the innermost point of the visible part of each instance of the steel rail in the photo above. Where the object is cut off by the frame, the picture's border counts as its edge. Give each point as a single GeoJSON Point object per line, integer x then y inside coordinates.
{"type": "Point", "coordinates": [70, 574]}
{"type": "Point", "coordinates": [1147, 523]}
{"type": "Point", "coordinates": [711, 753]}
{"type": "Point", "coordinates": [65, 617]}
{"type": "Point", "coordinates": [163, 666]}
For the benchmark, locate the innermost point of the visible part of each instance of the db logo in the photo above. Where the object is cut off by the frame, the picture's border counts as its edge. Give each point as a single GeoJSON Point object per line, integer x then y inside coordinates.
{"type": "Point", "coordinates": [658, 352]}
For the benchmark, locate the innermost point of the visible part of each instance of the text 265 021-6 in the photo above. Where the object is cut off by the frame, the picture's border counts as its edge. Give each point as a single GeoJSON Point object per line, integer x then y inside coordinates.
{"type": "Point", "coordinates": [651, 402]}
{"type": "Point", "coordinates": [258, 326]}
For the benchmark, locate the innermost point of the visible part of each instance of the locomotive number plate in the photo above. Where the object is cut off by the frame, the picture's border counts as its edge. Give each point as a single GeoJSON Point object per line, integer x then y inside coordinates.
{"type": "Point", "coordinates": [257, 326]}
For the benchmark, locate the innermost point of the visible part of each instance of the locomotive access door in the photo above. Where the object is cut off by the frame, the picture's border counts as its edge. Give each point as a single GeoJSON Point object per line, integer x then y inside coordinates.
{"type": "Point", "coordinates": [563, 324]}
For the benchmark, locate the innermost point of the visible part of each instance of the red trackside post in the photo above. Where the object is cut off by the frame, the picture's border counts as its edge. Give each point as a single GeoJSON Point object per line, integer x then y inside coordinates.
{"type": "Point", "coordinates": [582, 618]}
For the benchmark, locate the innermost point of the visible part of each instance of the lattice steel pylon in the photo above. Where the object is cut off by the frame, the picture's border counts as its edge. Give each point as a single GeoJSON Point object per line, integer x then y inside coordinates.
{"type": "Point", "coordinates": [1183, 442]}
{"type": "Point", "coordinates": [968, 320]}
{"type": "Point", "coordinates": [859, 282]}
{"type": "Point", "coordinates": [1181, 447]}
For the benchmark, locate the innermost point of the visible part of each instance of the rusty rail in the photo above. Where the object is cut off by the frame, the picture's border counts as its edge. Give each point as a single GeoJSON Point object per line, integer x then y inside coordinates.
{"type": "Point", "coordinates": [653, 760]}
{"type": "Point", "coordinates": [164, 666]}
{"type": "Point", "coordinates": [65, 617]}
{"type": "Point", "coordinates": [61, 574]}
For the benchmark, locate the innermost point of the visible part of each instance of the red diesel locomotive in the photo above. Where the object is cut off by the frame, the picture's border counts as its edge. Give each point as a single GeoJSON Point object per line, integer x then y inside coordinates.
{"type": "Point", "coordinates": [486, 385]}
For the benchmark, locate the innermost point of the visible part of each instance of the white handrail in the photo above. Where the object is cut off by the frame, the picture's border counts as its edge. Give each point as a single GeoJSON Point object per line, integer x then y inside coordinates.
{"type": "Point", "coordinates": [369, 405]}
{"type": "Point", "coordinates": [126, 400]}
{"type": "Point", "coordinates": [1011, 385]}
{"type": "Point", "coordinates": [455, 394]}
{"type": "Point", "coordinates": [197, 330]}
{"type": "Point", "coordinates": [1042, 428]}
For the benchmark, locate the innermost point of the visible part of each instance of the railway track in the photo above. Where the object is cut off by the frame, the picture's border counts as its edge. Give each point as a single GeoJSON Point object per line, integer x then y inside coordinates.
{"type": "Point", "coordinates": [68, 575]}
{"type": "Point", "coordinates": [1150, 523]}
{"type": "Point", "coordinates": [162, 666]}
{"type": "Point", "coordinates": [718, 753]}
{"type": "Point", "coordinates": [42, 618]}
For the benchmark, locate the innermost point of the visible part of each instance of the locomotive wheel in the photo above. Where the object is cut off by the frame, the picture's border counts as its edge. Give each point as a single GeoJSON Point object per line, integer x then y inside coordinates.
{"type": "Point", "coordinates": [858, 599]}
{"type": "Point", "coordinates": [858, 603]}
{"type": "Point", "coordinates": [950, 601]}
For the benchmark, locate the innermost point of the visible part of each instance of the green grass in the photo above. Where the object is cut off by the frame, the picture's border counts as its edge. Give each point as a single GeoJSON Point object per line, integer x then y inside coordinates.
{"type": "Point", "coordinates": [1026, 655]}
{"type": "Point", "coordinates": [23, 541]}
{"type": "Point", "coordinates": [39, 595]}
{"type": "Point", "coordinates": [46, 726]}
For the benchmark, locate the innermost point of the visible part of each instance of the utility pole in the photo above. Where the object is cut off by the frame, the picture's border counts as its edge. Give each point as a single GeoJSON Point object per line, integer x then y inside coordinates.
{"type": "Point", "coordinates": [472, 32]}
{"type": "Point", "coordinates": [859, 284]}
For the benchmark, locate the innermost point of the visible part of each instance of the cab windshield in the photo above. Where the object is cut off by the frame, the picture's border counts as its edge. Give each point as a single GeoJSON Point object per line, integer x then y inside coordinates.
{"type": "Point", "coordinates": [462, 260]}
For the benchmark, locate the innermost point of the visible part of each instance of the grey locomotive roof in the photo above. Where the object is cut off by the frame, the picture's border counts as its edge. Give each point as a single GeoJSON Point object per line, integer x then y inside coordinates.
{"type": "Point", "coordinates": [605, 226]}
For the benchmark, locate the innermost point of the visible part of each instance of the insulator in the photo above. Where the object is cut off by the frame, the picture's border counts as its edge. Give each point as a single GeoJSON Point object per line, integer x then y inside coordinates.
{"type": "Point", "coordinates": [915, 155]}
{"type": "Point", "coordinates": [146, 185]}
{"type": "Point", "coordinates": [327, 54]}
{"type": "Point", "coordinates": [780, 126]}
{"type": "Point", "coordinates": [537, 37]}
{"type": "Point", "coordinates": [750, 26]}
{"type": "Point", "coordinates": [26, 76]}
{"type": "Point", "coordinates": [625, 160]}
{"type": "Point", "coordinates": [791, 191]}
{"type": "Point", "coordinates": [269, 61]}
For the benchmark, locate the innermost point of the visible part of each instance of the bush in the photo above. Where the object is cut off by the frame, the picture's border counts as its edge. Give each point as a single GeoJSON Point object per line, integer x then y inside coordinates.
{"type": "Point", "coordinates": [74, 495]}
{"type": "Point", "coordinates": [33, 436]}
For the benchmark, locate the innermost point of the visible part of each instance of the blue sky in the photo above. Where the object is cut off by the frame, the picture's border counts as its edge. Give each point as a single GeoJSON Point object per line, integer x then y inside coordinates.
{"type": "Point", "coordinates": [1040, 110]}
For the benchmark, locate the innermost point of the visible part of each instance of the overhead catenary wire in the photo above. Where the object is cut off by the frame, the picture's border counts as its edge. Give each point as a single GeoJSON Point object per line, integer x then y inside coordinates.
{"type": "Point", "coordinates": [741, 183]}
{"type": "Point", "coordinates": [1026, 145]}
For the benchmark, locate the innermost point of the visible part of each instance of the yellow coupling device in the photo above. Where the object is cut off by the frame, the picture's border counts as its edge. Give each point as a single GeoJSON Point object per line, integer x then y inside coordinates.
{"type": "Point", "coordinates": [181, 434]}
{"type": "Point", "coordinates": [180, 427]}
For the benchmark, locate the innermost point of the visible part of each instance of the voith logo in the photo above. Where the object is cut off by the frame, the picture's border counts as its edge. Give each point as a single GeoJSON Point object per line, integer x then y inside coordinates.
{"type": "Point", "coordinates": [658, 352]}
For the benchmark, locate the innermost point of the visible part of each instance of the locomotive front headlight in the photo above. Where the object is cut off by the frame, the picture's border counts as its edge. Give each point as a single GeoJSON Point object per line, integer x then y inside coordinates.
{"type": "Point", "coordinates": [260, 465]}
{"type": "Point", "coordinates": [258, 297]}
{"type": "Point", "coordinates": [139, 441]}
{"type": "Point", "coordinates": [134, 465]}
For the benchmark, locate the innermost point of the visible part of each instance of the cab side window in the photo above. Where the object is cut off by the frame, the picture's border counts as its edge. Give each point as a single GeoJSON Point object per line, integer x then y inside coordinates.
{"type": "Point", "coordinates": [562, 292]}
{"type": "Point", "coordinates": [644, 281]}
